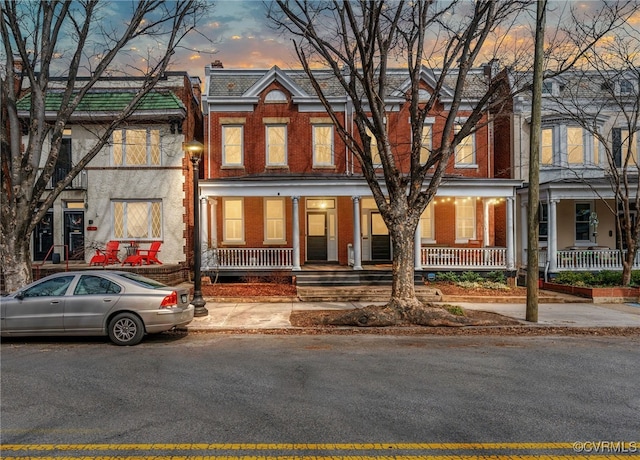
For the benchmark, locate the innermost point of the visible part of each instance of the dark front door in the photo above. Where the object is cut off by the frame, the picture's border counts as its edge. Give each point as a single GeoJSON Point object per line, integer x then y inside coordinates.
{"type": "Point", "coordinates": [316, 236]}
{"type": "Point", "coordinates": [380, 241]}
{"type": "Point", "coordinates": [74, 234]}
{"type": "Point", "coordinates": [43, 237]}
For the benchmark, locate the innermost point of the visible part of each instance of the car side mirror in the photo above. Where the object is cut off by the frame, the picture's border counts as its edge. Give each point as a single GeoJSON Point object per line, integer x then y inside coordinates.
{"type": "Point", "coordinates": [19, 295]}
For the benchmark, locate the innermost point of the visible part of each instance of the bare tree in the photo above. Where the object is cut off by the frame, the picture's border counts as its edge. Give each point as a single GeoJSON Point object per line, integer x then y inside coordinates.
{"type": "Point", "coordinates": [360, 41]}
{"type": "Point", "coordinates": [70, 38]}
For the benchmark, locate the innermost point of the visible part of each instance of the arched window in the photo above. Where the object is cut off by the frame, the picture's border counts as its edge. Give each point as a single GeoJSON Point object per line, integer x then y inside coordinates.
{"type": "Point", "coordinates": [276, 96]}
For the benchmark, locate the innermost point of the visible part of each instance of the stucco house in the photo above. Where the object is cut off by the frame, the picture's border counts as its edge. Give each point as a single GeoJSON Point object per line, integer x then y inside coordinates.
{"type": "Point", "coordinates": [136, 190]}
{"type": "Point", "coordinates": [584, 139]}
{"type": "Point", "coordinates": [281, 190]}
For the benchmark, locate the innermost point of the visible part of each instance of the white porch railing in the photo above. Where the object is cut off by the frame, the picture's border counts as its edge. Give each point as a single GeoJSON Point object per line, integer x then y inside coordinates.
{"type": "Point", "coordinates": [464, 258]}
{"type": "Point", "coordinates": [248, 258]}
{"type": "Point", "coordinates": [589, 260]}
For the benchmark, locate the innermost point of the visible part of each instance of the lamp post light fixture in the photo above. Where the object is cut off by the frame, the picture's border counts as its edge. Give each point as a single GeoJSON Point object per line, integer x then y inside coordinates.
{"type": "Point", "coordinates": [195, 149]}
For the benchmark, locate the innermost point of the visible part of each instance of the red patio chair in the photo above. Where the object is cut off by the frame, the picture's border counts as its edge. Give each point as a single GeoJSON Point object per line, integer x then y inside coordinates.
{"type": "Point", "coordinates": [107, 256]}
{"type": "Point", "coordinates": [149, 256]}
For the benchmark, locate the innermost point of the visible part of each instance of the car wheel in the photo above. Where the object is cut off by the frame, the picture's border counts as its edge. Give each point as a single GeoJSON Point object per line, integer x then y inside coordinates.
{"type": "Point", "coordinates": [126, 329]}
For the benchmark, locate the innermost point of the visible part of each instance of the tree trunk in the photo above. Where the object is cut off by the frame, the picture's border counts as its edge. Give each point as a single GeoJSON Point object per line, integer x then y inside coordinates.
{"type": "Point", "coordinates": [16, 261]}
{"type": "Point", "coordinates": [403, 293]}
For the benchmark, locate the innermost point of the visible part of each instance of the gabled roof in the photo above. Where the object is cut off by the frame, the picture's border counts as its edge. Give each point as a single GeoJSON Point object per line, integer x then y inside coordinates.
{"type": "Point", "coordinates": [106, 101]}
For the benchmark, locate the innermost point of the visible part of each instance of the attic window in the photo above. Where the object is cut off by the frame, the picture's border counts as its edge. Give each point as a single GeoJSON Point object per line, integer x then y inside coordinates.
{"type": "Point", "coordinates": [276, 96]}
{"type": "Point", "coordinates": [626, 87]}
{"type": "Point", "coordinates": [423, 95]}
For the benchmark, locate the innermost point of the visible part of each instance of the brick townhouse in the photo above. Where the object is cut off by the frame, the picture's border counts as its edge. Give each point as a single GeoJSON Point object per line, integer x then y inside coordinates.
{"type": "Point", "coordinates": [282, 191]}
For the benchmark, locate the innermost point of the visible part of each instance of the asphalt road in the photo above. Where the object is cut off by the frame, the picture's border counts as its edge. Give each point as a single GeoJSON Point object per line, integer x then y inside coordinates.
{"type": "Point", "coordinates": [209, 394]}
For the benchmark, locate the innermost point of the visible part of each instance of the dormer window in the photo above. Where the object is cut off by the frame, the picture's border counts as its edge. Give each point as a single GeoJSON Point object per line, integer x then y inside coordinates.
{"type": "Point", "coordinates": [626, 87]}
{"type": "Point", "coordinates": [547, 87]}
{"type": "Point", "coordinates": [276, 96]}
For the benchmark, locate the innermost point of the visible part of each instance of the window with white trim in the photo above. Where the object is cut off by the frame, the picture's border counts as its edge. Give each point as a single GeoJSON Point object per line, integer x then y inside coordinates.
{"type": "Point", "coordinates": [276, 96]}
{"type": "Point", "coordinates": [137, 219]}
{"type": "Point", "coordinates": [546, 146]}
{"type": "Point", "coordinates": [465, 219]}
{"type": "Point", "coordinates": [375, 153]}
{"type": "Point", "coordinates": [465, 150]}
{"type": "Point", "coordinates": [323, 145]}
{"type": "Point", "coordinates": [575, 145]}
{"type": "Point", "coordinates": [624, 147]}
{"type": "Point", "coordinates": [232, 145]}
{"type": "Point", "coordinates": [426, 143]}
{"type": "Point", "coordinates": [276, 138]}
{"type": "Point", "coordinates": [233, 220]}
{"type": "Point", "coordinates": [427, 224]}
{"type": "Point", "coordinates": [136, 147]}
{"type": "Point", "coordinates": [583, 213]}
{"type": "Point", "coordinates": [274, 220]}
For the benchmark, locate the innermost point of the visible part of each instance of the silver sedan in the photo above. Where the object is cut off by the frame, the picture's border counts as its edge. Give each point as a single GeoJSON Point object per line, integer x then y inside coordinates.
{"type": "Point", "coordinates": [119, 304]}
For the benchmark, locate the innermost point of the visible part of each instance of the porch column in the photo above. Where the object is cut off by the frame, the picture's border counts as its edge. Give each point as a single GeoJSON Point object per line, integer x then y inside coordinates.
{"type": "Point", "coordinates": [552, 244]}
{"type": "Point", "coordinates": [523, 232]}
{"type": "Point", "coordinates": [296, 233]}
{"type": "Point", "coordinates": [510, 234]}
{"type": "Point", "coordinates": [214, 222]}
{"type": "Point", "coordinates": [485, 222]}
{"type": "Point", "coordinates": [417, 246]}
{"type": "Point", "coordinates": [204, 224]}
{"type": "Point", "coordinates": [357, 234]}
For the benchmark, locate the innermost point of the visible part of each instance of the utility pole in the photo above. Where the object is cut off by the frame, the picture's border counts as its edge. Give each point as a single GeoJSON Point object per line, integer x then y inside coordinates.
{"type": "Point", "coordinates": [533, 217]}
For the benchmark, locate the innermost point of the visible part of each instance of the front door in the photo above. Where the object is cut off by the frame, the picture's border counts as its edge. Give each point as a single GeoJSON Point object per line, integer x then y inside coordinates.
{"type": "Point", "coordinates": [380, 241]}
{"type": "Point", "coordinates": [316, 236]}
{"type": "Point", "coordinates": [74, 234]}
{"type": "Point", "coordinates": [43, 237]}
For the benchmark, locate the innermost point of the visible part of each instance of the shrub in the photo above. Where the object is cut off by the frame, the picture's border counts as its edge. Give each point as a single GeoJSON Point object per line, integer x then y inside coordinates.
{"type": "Point", "coordinates": [471, 276]}
{"type": "Point", "coordinates": [449, 277]}
{"type": "Point", "coordinates": [455, 310]}
{"type": "Point", "coordinates": [497, 277]}
{"type": "Point", "coordinates": [604, 278]}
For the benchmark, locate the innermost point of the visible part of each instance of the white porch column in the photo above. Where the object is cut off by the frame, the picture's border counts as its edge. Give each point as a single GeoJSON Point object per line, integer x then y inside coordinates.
{"type": "Point", "coordinates": [552, 244]}
{"type": "Point", "coordinates": [524, 226]}
{"type": "Point", "coordinates": [357, 234]}
{"type": "Point", "coordinates": [296, 233]}
{"type": "Point", "coordinates": [204, 224]}
{"type": "Point", "coordinates": [214, 222]}
{"type": "Point", "coordinates": [510, 234]}
{"type": "Point", "coordinates": [485, 222]}
{"type": "Point", "coordinates": [417, 248]}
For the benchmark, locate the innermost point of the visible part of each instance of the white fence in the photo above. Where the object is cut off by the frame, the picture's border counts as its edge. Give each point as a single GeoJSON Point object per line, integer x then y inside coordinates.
{"type": "Point", "coordinates": [247, 258]}
{"type": "Point", "coordinates": [589, 260]}
{"type": "Point", "coordinates": [464, 258]}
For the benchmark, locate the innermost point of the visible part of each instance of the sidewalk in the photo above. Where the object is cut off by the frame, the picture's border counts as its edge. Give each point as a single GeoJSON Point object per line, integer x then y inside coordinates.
{"type": "Point", "coordinates": [275, 315]}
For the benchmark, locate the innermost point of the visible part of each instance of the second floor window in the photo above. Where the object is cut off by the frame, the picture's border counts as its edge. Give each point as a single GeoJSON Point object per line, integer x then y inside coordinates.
{"type": "Point", "coordinates": [624, 147]}
{"type": "Point", "coordinates": [323, 145]}
{"type": "Point", "coordinates": [465, 150]}
{"type": "Point", "coordinates": [375, 153]}
{"type": "Point", "coordinates": [276, 145]}
{"type": "Point", "coordinates": [136, 147]}
{"type": "Point", "coordinates": [232, 148]}
{"type": "Point", "coordinates": [575, 145]}
{"type": "Point", "coordinates": [546, 146]}
{"type": "Point", "coordinates": [426, 143]}
{"type": "Point", "coordinates": [137, 220]}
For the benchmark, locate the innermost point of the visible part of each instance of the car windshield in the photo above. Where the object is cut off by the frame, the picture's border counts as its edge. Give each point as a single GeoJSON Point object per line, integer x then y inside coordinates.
{"type": "Point", "coordinates": [142, 280]}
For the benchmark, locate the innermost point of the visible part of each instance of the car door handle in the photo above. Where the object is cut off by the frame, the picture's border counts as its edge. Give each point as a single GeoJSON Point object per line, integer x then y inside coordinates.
{"type": "Point", "coordinates": [55, 301]}
{"type": "Point", "coordinates": [106, 299]}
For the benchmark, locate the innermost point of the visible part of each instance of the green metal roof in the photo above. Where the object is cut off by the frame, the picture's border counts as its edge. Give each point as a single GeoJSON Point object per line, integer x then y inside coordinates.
{"type": "Point", "coordinates": [110, 101]}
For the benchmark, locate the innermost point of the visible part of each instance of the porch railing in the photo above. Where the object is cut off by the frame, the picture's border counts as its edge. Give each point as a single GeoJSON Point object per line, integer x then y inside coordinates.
{"type": "Point", "coordinates": [589, 260]}
{"type": "Point", "coordinates": [464, 258]}
{"type": "Point", "coordinates": [247, 258]}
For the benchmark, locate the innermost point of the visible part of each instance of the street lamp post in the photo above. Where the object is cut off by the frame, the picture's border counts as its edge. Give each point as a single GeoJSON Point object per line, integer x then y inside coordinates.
{"type": "Point", "coordinates": [195, 149]}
